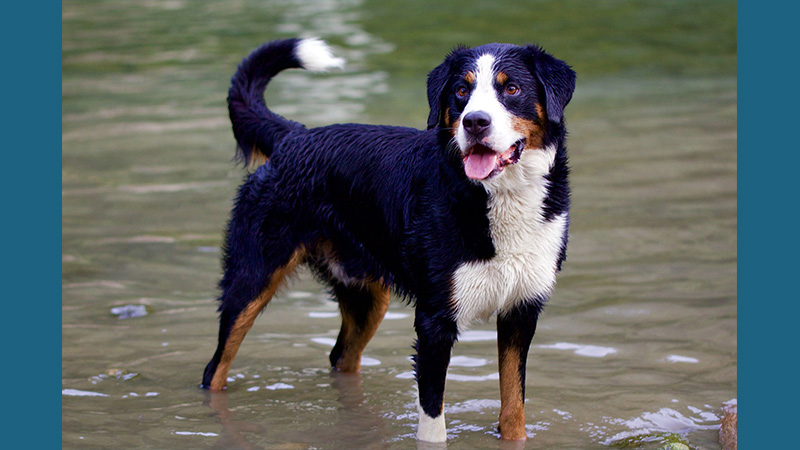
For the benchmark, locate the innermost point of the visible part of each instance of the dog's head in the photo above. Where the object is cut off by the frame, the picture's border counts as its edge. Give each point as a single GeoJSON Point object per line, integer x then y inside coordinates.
{"type": "Point", "coordinates": [498, 100]}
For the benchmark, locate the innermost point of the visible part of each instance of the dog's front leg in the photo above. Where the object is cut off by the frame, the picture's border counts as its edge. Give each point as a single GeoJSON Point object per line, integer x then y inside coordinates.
{"type": "Point", "coordinates": [436, 334]}
{"type": "Point", "coordinates": [515, 330]}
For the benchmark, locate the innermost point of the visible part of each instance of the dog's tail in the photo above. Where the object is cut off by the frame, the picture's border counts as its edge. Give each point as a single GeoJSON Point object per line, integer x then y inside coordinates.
{"type": "Point", "coordinates": [255, 127]}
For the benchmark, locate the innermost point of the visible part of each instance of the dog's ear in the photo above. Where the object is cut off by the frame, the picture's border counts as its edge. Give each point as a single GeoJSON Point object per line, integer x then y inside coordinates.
{"type": "Point", "coordinates": [557, 79]}
{"type": "Point", "coordinates": [437, 82]}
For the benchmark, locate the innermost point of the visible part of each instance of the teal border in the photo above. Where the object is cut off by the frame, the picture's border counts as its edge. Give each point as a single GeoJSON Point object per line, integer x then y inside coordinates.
{"type": "Point", "coordinates": [767, 231]}
{"type": "Point", "coordinates": [767, 228]}
{"type": "Point", "coordinates": [30, 33]}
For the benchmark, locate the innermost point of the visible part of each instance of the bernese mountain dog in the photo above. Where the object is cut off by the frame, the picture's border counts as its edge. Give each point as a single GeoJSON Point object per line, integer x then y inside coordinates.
{"type": "Point", "coordinates": [465, 219]}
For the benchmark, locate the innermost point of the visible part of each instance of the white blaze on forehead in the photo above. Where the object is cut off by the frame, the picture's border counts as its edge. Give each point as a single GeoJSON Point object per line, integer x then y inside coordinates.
{"type": "Point", "coordinates": [484, 98]}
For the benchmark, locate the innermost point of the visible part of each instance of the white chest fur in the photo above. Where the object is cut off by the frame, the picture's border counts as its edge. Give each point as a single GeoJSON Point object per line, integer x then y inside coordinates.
{"type": "Point", "coordinates": [527, 247]}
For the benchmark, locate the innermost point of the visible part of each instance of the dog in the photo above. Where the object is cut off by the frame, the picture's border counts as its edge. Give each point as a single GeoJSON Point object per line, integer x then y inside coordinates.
{"type": "Point", "coordinates": [464, 219]}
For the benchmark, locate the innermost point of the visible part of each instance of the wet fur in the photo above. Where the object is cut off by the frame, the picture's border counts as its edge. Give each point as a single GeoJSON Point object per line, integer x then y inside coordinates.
{"type": "Point", "coordinates": [377, 208]}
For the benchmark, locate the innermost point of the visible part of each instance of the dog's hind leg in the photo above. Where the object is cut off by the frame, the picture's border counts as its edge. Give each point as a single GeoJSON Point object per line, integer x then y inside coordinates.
{"type": "Point", "coordinates": [241, 302]}
{"type": "Point", "coordinates": [362, 308]}
{"type": "Point", "coordinates": [515, 330]}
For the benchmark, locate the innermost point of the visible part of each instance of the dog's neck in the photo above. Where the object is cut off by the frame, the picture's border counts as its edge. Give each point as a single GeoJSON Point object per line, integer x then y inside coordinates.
{"type": "Point", "coordinates": [526, 241]}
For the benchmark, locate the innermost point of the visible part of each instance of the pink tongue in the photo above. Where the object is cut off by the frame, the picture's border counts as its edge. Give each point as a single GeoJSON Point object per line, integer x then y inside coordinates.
{"type": "Point", "coordinates": [479, 165]}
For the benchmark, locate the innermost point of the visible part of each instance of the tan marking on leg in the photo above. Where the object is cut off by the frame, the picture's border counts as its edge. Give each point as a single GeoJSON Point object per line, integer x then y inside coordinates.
{"type": "Point", "coordinates": [247, 318]}
{"type": "Point", "coordinates": [512, 404]}
{"type": "Point", "coordinates": [356, 338]}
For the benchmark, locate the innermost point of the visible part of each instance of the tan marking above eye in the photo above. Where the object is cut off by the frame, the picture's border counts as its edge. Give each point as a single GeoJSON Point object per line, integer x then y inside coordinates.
{"type": "Point", "coordinates": [469, 77]}
{"type": "Point", "coordinates": [501, 77]}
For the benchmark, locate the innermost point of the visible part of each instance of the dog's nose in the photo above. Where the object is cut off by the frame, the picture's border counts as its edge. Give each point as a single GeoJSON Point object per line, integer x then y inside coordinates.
{"type": "Point", "coordinates": [477, 122]}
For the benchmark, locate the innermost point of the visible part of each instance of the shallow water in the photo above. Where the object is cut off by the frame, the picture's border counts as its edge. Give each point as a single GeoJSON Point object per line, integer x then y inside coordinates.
{"type": "Point", "coordinates": [638, 343]}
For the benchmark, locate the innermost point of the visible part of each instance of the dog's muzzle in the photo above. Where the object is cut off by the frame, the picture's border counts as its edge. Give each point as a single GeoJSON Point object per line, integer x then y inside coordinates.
{"type": "Point", "coordinates": [482, 162]}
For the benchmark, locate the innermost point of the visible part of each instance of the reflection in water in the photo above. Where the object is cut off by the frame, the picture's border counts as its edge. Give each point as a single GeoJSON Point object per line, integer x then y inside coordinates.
{"type": "Point", "coordinates": [356, 424]}
{"type": "Point", "coordinates": [363, 424]}
{"type": "Point", "coordinates": [510, 445]}
{"type": "Point", "coordinates": [231, 432]}
{"type": "Point", "coordinates": [422, 445]}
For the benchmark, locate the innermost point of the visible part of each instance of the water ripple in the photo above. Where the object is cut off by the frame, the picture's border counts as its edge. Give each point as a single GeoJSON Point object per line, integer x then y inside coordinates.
{"type": "Point", "coordinates": [593, 351]}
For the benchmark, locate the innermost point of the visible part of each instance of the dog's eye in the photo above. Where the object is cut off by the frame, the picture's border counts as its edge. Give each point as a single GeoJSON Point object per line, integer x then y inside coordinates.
{"type": "Point", "coordinates": [461, 92]}
{"type": "Point", "coordinates": [512, 89]}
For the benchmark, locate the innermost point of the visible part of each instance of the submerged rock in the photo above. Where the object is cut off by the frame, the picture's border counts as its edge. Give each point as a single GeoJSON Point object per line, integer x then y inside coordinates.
{"type": "Point", "coordinates": [727, 429]}
{"type": "Point", "coordinates": [675, 446]}
{"type": "Point", "coordinates": [668, 441]}
{"type": "Point", "coordinates": [129, 311]}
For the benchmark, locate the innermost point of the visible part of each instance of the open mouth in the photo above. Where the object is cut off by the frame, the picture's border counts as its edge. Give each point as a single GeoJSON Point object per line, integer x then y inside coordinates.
{"type": "Point", "coordinates": [482, 162]}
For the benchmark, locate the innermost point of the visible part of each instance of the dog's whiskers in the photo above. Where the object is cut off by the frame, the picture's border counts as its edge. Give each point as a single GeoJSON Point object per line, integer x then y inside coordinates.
{"type": "Point", "coordinates": [452, 145]}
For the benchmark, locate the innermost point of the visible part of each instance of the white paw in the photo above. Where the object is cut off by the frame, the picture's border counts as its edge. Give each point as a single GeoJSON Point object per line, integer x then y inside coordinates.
{"type": "Point", "coordinates": [431, 429]}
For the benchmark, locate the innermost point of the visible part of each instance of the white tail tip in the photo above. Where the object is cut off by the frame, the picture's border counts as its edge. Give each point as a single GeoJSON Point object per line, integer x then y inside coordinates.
{"type": "Point", "coordinates": [315, 55]}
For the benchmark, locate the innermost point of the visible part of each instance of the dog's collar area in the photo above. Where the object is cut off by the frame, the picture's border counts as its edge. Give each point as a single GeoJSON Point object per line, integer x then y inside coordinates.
{"type": "Point", "coordinates": [482, 162]}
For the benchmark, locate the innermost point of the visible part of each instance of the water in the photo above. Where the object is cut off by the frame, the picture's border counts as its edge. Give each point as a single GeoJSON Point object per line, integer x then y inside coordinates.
{"type": "Point", "coordinates": [638, 343]}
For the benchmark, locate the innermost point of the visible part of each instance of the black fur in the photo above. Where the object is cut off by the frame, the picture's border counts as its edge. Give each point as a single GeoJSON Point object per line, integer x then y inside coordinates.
{"type": "Point", "coordinates": [377, 203]}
